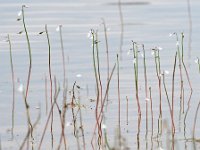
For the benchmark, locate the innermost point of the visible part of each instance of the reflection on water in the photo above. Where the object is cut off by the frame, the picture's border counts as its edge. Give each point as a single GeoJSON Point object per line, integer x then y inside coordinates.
{"type": "Point", "coordinates": [73, 87]}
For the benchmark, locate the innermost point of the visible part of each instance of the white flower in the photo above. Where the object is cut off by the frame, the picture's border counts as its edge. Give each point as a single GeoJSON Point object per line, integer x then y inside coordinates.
{"type": "Point", "coordinates": [147, 99]}
{"type": "Point", "coordinates": [103, 126]}
{"type": "Point", "coordinates": [108, 29]}
{"type": "Point", "coordinates": [134, 60]}
{"type": "Point", "coordinates": [160, 48]}
{"type": "Point", "coordinates": [196, 60]}
{"type": "Point", "coordinates": [89, 35]}
{"type": "Point", "coordinates": [68, 124]}
{"type": "Point", "coordinates": [166, 72]}
{"type": "Point", "coordinates": [177, 43]}
{"type": "Point", "coordinates": [19, 13]}
{"type": "Point", "coordinates": [37, 107]}
{"type": "Point", "coordinates": [170, 34]}
{"type": "Point", "coordinates": [58, 28]}
{"type": "Point", "coordinates": [21, 88]}
{"type": "Point", "coordinates": [79, 75]}
{"type": "Point", "coordinates": [152, 53]}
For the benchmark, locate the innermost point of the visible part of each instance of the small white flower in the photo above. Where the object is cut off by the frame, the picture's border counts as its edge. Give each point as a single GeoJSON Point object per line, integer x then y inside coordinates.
{"type": "Point", "coordinates": [19, 13]}
{"type": "Point", "coordinates": [79, 75]}
{"type": "Point", "coordinates": [37, 107]}
{"type": "Point", "coordinates": [160, 48]}
{"type": "Point", "coordinates": [152, 53]}
{"type": "Point", "coordinates": [160, 148]}
{"type": "Point", "coordinates": [103, 126]}
{"type": "Point", "coordinates": [166, 72]}
{"type": "Point", "coordinates": [142, 55]}
{"type": "Point", "coordinates": [196, 60]}
{"type": "Point", "coordinates": [21, 88]}
{"type": "Point", "coordinates": [170, 34]}
{"type": "Point", "coordinates": [89, 35]}
{"type": "Point", "coordinates": [108, 29]}
{"type": "Point", "coordinates": [68, 124]}
{"type": "Point", "coordinates": [147, 99]}
{"type": "Point", "coordinates": [177, 43]}
{"type": "Point", "coordinates": [134, 60]}
{"type": "Point", "coordinates": [58, 28]}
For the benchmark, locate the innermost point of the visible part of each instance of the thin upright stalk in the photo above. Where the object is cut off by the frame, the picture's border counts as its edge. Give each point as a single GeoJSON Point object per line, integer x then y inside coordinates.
{"type": "Point", "coordinates": [99, 117]}
{"type": "Point", "coordinates": [180, 70]}
{"type": "Point", "coordinates": [135, 60]}
{"type": "Point", "coordinates": [151, 113]}
{"type": "Point", "coordinates": [190, 29]}
{"type": "Point", "coordinates": [46, 95]}
{"type": "Point", "coordinates": [49, 116]}
{"type": "Point", "coordinates": [28, 133]}
{"type": "Point", "coordinates": [63, 56]}
{"type": "Point", "coordinates": [126, 110]}
{"type": "Point", "coordinates": [13, 87]}
{"type": "Point", "coordinates": [158, 72]}
{"type": "Point", "coordinates": [0, 144]}
{"type": "Point", "coordinates": [122, 27]}
{"type": "Point", "coordinates": [118, 89]}
{"type": "Point", "coordinates": [107, 50]}
{"type": "Point", "coordinates": [146, 88]}
{"type": "Point", "coordinates": [195, 121]}
{"type": "Point", "coordinates": [185, 68]}
{"type": "Point", "coordinates": [97, 82]}
{"type": "Point", "coordinates": [172, 106]}
{"type": "Point", "coordinates": [50, 77]}
{"type": "Point", "coordinates": [29, 74]}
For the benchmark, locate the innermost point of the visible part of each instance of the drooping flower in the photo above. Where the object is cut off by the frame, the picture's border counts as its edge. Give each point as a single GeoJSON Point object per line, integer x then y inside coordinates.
{"type": "Point", "coordinates": [19, 13]}
{"type": "Point", "coordinates": [58, 28]}
{"type": "Point", "coordinates": [166, 72]}
{"type": "Point", "coordinates": [89, 35]}
{"type": "Point", "coordinates": [79, 75]}
{"type": "Point", "coordinates": [177, 43]}
{"type": "Point", "coordinates": [196, 60]}
{"type": "Point", "coordinates": [103, 126]}
{"type": "Point", "coordinates": [170, 34]}
{"type": "Point", "coordinates": [147, 99]}
{"type": "Point", "coordinates": [21, 88]}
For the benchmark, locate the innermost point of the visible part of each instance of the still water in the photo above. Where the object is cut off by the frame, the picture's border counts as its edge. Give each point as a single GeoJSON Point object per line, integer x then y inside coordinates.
{"type": "Point", "coordinates": [148, 22]}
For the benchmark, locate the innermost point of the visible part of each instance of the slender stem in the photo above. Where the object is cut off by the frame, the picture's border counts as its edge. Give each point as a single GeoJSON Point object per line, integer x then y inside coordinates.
{"type": "Point", "coordinates": [151, 113]}
{"type": "Point", "coordinates": [29, 74]}
{"type": "Point", "coordinates": [49, 117]}
{"type": "Point", "coordinates": [195, 121]}
{"type": "Point", "coordinates": [63, 56]}
{"type": "Point", "coordinates": [13, 87]}
{"type": "Point", "coordinates": [172, 107]}
{"type": "Point", "coordinates": [50, 77]}
{"type": "Point", "coordinates": [28, 133]}
{"type": "Point", "coordinates": [122, 27]}
{"type": "Point", "coordinates": [46, 95]}
{"type": "Point", "coordinates": [146, 89]}
{"type": "Point", "coordinates": [99, 117]}
{"type": "Point", "coordinates": [190, 29]}
{"type": "Point", "coordinates": [118, 89]}
{"type": "Point", "coordinates": [158, 72]}
{"type": "Point", "coordinates": [126, 110]}
{"type": "Point", "coordinates": [184, 66]}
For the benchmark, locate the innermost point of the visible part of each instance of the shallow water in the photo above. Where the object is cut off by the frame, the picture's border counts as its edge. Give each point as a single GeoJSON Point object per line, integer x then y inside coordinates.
{"type": "Point", "coordinates": [148, 22]}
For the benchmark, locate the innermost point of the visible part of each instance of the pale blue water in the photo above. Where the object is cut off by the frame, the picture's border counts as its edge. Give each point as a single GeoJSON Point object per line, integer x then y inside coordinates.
{"type": "Point", "coordinates": [149, 23]}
